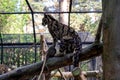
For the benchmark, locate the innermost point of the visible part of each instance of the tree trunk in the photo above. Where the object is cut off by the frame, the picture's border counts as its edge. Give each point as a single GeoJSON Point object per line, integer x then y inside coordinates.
{"type": "Point", "coordinates": [111, 39]}
{"type": "Point", "coordinates": [64, 8]}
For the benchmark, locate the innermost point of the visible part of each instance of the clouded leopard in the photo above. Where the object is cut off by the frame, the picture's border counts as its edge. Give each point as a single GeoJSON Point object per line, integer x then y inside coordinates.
{"type": "Point", "coordinates": [69, 38]}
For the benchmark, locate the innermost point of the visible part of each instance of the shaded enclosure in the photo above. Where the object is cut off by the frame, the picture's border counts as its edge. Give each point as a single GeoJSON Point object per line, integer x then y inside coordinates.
{"type": "Point", "coordinates": [21, 49]}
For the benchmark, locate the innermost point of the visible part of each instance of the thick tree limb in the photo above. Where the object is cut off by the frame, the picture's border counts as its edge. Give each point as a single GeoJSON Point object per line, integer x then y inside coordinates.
{"type": "Point", "coordinates": [99, 31]}
{"type": "Point", "coordinates": [53, 63]}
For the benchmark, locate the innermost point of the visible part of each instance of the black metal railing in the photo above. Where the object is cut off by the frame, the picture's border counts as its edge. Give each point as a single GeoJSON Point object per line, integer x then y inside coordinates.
{"type": "Point", "coordinates": [19, 49]}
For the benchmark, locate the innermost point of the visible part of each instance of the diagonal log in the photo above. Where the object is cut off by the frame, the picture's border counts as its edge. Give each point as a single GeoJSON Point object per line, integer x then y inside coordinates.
{"type": "Point", "coordinates": [31, 70]}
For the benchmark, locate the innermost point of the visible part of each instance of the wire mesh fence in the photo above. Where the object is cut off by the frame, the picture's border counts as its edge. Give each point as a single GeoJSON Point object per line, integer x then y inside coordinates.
{"type": "Point", "coordinates": [22, 49]}
{"type": "Point", "coordinates": [19, 49]}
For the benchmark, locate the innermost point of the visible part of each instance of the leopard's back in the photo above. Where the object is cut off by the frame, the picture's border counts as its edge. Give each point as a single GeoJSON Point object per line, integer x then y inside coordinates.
{"type": "Point", "coordinates": [57, 29]}
{"type": "Point", "coordinates": [60, 31]}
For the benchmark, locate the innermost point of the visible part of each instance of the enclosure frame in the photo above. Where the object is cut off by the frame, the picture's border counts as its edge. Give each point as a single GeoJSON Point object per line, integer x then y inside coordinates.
{"type": "Point", "coordinates": [33, 25]}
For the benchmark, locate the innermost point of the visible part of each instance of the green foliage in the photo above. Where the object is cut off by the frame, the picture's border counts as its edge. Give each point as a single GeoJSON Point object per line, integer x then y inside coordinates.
{"type": "Point", "coordinates": [18, 56]}
{"type": "Point", "coordinates": [86, 21]}
{"type": "Point", "coordinates": [37, 6]}
{"type": "Point", "coordinates": [7, 5]}
{"type": "Point", "coordinates": [4, 7]}
{"type": "Point", "coordinates": [12, 23]}
{"type": "Point", "coordinates": [17, 38]}
{"type": "Point", "coordinates": [15, 23]}
{"type": "Point", "coordinates": [86, 5]}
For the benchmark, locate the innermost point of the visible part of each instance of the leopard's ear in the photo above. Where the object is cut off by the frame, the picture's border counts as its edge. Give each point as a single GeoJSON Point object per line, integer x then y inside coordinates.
{"type": "Point", "coordinates": [50, 16]}
{"type": "Point", "coordinates": [46, 15]}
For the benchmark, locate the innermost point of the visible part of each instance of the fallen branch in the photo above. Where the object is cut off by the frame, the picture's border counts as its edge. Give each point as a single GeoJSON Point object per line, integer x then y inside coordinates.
{"type": "Point", "coordinates": [77, 74]}
{"type": "Point", "coordinates": [53, 63]}
{"type": "Point", "coordinates": [95, 73]}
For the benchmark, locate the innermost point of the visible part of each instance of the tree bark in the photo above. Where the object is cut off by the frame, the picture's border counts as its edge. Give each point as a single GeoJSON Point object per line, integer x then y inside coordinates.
{"type": "Point", "coordinates": [53, 63]}
{"type": "Point", "coordinates": [111, 39]}
{"type": "Point", "coordinates": [64, 8]}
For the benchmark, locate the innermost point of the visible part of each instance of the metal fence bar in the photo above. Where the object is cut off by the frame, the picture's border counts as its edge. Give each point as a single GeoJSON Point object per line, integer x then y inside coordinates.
{"type": "Point", "coordinates": [33, 21]}
{"type": "Point", "coordinates": [28, 44]}
{"type": "Point", "coordinates": [1, 48]}
{"type": "Point", "coordinates": [70, 8]}
{"type": "Point", "coordinates": [100, 11]}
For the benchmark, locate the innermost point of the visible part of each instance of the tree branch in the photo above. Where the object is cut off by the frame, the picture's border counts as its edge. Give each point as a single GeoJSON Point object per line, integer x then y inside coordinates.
{"type": "Point", "coordinates": [53, 63]}
{"type": "Point", "coordinates": [99, 31]}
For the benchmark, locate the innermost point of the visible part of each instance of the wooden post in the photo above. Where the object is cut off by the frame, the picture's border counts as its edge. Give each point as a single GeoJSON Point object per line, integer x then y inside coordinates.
{"type": "Point", "coordinates": [42, 52]}
{"type": "Point", "coordinates": [42, 47]}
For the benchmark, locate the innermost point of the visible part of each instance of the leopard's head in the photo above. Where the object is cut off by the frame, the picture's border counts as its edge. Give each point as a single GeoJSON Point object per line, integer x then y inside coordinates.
{"type": "Point", "coordinates": [45, 20]}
